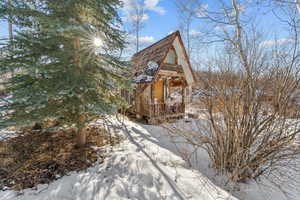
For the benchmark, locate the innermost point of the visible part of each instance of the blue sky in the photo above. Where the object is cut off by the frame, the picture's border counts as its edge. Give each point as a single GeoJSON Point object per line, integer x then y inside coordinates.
{"type": "Point", "coordinates": [162, 18]}
{"type": "Point", "coordinates": [3, 29]}
{"type": "Point", "coordinates": [158, 24]}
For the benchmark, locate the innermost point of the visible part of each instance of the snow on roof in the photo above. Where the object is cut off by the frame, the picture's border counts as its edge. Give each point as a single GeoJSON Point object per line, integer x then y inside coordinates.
{"type": "Point", "coordinates": [143, 78]}
{"type": "Point", "coordinates": [148, 74]}
{"type": "Point", "coordinates": [155, 53]}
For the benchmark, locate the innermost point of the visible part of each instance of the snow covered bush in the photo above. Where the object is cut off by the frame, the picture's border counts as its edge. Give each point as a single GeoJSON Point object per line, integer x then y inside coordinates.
{"type": "Point", "coordinates": [252, 130]}
{"type": "Point", "coordinates": [250, 87]}
{"type": "Point", "coordinates": [246, 142]}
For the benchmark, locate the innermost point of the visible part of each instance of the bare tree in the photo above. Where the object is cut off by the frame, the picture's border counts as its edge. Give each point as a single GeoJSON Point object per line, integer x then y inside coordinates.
{"type": "Point", "coordinates": [188, 11]}
{"type": "Point", "coordinates": [249, 97]}
{"type": "Point", "coordinates": [196, 35]}
{"type": "Point", "coordinates": [136, 16]}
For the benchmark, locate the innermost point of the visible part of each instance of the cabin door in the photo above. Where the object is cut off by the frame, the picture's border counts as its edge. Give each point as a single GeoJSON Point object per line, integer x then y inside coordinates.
{"type": "Point", "coordinates": [158, 91]}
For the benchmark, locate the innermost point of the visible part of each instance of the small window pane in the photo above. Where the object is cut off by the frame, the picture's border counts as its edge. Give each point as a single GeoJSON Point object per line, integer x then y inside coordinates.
{"type": "Point", "coordinates": [171, 58]}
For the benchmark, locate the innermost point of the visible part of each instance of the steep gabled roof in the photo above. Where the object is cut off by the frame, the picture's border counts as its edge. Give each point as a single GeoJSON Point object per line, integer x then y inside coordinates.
{"type": "Point", "coordinates": [147, 61]}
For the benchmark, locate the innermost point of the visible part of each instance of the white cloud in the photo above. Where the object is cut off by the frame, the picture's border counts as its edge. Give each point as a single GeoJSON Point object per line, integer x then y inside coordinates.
{"type": "Point", "coordinates": [153, 6]}
{"type": "Point", "coordinates": [132, 18]}
{"type": "Point", "coordinates": [129, 6]}
{"type": "Point", "coordinates": [143, 40]}
{"type": "Point", "coordinates": [195, 33]}
{"type": "Point", "coordinates": [131, 46]}
{"type": "Point", "coordinates": [270, 43]}
{"type": "Point", "coordinates": [224, 28]}
{"type": "Point", "coordinates": [146, 39]}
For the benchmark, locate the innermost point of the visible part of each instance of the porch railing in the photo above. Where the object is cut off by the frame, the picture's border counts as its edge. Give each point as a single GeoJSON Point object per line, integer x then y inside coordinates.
{"type": "Point", "coordinates": [162, 109]}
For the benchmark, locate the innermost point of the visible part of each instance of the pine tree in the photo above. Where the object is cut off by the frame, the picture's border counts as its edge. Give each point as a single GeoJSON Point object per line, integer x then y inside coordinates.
{"type": "Point", "coordinates": [59, 72]}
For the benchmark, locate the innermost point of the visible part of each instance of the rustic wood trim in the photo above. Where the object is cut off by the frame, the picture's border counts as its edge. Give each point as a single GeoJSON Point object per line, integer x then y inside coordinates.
{"type": "Point", "coordinates": [165, 56]}
{"type": "Point", "coordinates": [170, 47]}
{"type": "Point", "coordinates": [166, 53]}
{"type": "Point", "coordinates": [182, 94]}
{"type": "Point", "coordinates": [163, 73]}
{"type": "Point", "coordinates": [160, 63]}
{"type": "Point", "coordinates": [184, 52]}
{"type": "Point", "coordinates": [169, 65]}
{"type": "Point", "coordinates": [186, 56]}
{"type": "Point", "coordinates": [151, 93]}
{"type": "Point", "coordinates": [165, 89]}
{"type": "Point", "coordinates": [141, 89]}
{"type": "Point", "coordinates": [176, 56]}
{"type": "Point", "coordinates": [141, 51]}
{"type": "Point", "coordinates": [177, 83]}
{"type": "Point", "coordinates": [177, 68]}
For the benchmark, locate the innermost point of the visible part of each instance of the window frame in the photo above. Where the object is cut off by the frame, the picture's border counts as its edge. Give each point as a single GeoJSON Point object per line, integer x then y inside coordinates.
{"type": "Point", "coordinates": [175, 57]}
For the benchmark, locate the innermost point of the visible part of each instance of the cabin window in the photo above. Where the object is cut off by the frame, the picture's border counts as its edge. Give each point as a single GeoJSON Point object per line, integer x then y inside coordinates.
{"type": "Point", "coordinates": [171, 57]}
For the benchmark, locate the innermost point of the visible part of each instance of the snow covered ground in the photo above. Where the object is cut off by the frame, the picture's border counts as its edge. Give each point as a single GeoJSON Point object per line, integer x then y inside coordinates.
{"type": "Point", "coordinates": [149, 165]}
{"type": "Point", "coordinates": [5, 134]}
{"type": "Point", "coordinates": [139, 168]}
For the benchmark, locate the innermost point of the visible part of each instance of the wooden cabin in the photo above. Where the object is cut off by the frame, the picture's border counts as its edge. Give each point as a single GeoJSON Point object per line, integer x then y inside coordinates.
{"type": "Point", "coordinates": [162, 78]}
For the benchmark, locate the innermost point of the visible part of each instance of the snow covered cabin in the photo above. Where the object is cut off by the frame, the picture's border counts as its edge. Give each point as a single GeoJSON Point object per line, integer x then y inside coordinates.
{"type": "Point", "coordinates": [162, 76]}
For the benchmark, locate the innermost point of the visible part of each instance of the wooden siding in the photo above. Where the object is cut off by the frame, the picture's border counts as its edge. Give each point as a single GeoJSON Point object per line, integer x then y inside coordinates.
{"type": "Point", "coordinates": [153, 98]}
{"type": "Point", "coordinates": [183, 61]}
{"type": "Point", "coordinates": [175, 68]}
{"type": "Point", "coordinates": [158, 91]}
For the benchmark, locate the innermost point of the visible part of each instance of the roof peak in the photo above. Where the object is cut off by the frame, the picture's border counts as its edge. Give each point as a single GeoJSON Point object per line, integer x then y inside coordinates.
{"type": "Point", "coordinates": [156, 52]}
{"type": "Point", "coordinates": [170, 35]}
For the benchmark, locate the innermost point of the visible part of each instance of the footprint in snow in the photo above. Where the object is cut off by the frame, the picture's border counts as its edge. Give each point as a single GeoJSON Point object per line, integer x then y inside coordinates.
{"type": "Point", "coordinates": [146, 179]}
{"type": "Point", "coordinates": [123, 158]}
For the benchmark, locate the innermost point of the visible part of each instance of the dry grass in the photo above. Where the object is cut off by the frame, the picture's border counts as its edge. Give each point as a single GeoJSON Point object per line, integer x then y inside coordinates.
{"type": "Point", "coordinates": [39, 157]}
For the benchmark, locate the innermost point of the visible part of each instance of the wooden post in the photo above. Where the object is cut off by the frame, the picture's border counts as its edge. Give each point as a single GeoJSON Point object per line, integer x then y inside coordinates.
{"type": "Point", "coordinates": [165, 89]}
{"type": "Point", "coordinates": [151, 93]}
{"type": "Point", "coordinates": [183, 97]}
{"type": "Point", "coordinates": [138, 102]}
{"type": "Point", "coordinates": [151, 108]}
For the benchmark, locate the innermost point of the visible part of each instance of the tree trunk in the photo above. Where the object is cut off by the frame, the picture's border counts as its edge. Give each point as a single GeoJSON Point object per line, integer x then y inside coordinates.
{"type": "Point", "coordinates": [81, 137]}
{"type": "Point", "coordinates": [10, 27]}
{"type": "Point", "coordinates": [11, 37]}
{"type": "Point", "coordinates": [10, 31]}
{"type": "Point", "coordinates": [81, 133]}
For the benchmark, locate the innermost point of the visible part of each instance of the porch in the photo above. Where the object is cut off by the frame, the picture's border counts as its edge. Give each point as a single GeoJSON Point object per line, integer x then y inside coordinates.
{"type": "Point", "coordinates": [163, 110]}
{"type": "Point", "coordinates": [163, 99]}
